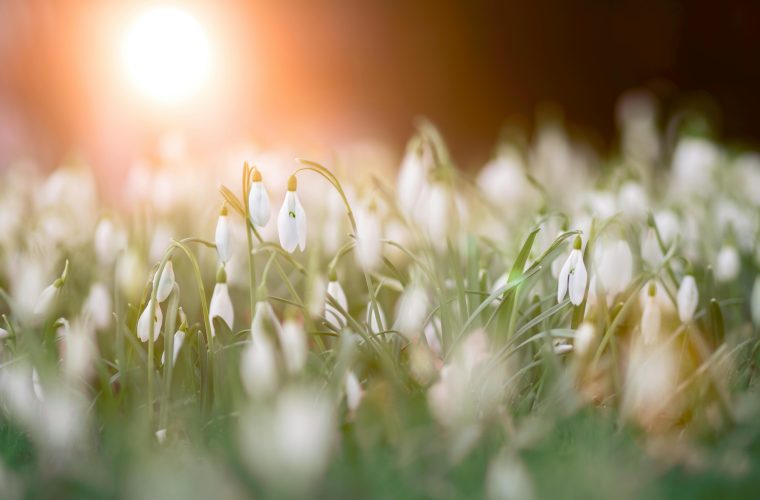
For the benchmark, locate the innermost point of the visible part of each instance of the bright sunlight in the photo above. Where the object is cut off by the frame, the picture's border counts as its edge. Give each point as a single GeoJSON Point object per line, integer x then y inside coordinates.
{"type": "Point", "coordinates": [167, 55]}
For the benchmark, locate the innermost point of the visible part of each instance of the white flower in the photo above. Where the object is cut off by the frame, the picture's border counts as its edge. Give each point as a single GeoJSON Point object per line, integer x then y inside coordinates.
{"type": "Point", "coordinates": [258, 201]}
{"type": "Point", "coordinates": [79, 351]}
{"type": "Point", "coordinates": [727, 264]}
{"type": "Point", "coordinates": [411, 177]}
{"type": "Point", "coordinates": [584, 336]}
{"type": "Point", "coordinates": [688, 298]}
{"type": "Point", "coordinates": [98, 306]}
{"type": "Point", "coordinates": [573, 276]}
{"type": "Point", "coordinates": [431, 336]}
{"type": "Point", "coordinates": [258, 363]}
{"type": "Point", "coordinates": [109, 241]}
{"type": "Point", "coordinates": [354, 391]}
{"type": "Point", "coordinates": [615, 268]}
{"type": "Point", "coordinates": [221, 306]}
{"type": "Point", "coordinates": [411, 310]}
{"type": "Point", "coordinates": [46, 300]}
{"type": "Point", "coordinates": [293, 343]}
{"type": "Point", "coordinates": [435, 213]}
{"type": "Point", "coordinates": [650, 319]}
{"type": "Point", "coordinates": [222, 236]}
{"type": "Point", "coordinates": [143, 324]}
{"type": "Point", "coordinates": [694, 161]}
{"type": "Point", "coordinates": [332, 314]}
{"type": "Point", "coordinates": [632, 200]}
{"type": "Point", "coordinates": [368, 245]}
{"type": "Point", "coordinates": [291, 222]}
{"type": "Point", "coordinates": [755, 302]}
{"type": "Point", "coordinates": [166, 283]}
{"type": "Point", "coordinates": [179, 339]}
{"type": "Point", "coordinates": [3, 333]}
{"type": "Point", "coordinates": [650, 248]}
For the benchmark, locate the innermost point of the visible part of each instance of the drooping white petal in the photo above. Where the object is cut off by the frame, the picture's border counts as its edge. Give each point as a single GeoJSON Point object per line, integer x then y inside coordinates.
{"type": "Point", "coordinates": [46, 301]}
{"type": "Point", "coordinates": [221, 306]}
{"type": "Point", "coordinates": [258, 204]}
{"type": "Point", "coordinates": [411, 310]}
{"type": "Point", "coordinates": [368, 245]}
{"type": "Point", "coordinates": [287, 223]}
{"type": "Point", "coordinates": [332, 314]}
{"type": "Point", "coordinates": [564, 276]}
{"type": "Point", "coordinates": [222, 238]}
{"type": "Point", "coordinates": [179, 339]}
{"type": "Point", "coordinates": [354, 391]}
{"type": "Point", "coordinates": [727, 264]}
{"type": "Point", "coordinates": [300, 223]}
{"type": "Point", "coordinates": [293, 343]}
{"type": "Point", "coordinates": [584, 336]}
{"type": "Point", "coordinates": [166, 283]}
{"type": "Point", "coordinates": [578, 279]}
{"type": "Point", "coordinates": [372, 318]}
{"type": "Point", "coordinates": [650, 248]}
{"type": "Point", "coordinates": [650, 321]}
{"type": "Point", "coordinates": [98, 306]}
{"type": "Point", "coordinates": [688, 298]}
{"type": "Point", "coordinates": [258, 363]}
{"type": "Point", "coordinates": [143, 324]}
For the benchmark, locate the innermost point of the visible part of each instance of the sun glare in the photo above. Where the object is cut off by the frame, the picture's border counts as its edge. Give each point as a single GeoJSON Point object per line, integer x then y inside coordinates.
{"type": "Point", "coordinates": [167, 54]}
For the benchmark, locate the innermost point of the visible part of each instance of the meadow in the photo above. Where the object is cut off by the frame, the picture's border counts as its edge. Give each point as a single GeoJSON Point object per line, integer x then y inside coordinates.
{"type": "Point", "coordinates": [562, 323]}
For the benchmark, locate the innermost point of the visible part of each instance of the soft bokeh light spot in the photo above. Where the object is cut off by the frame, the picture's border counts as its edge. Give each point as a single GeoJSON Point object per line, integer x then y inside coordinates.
{"type": "Point", "coordinates": [167, 54]}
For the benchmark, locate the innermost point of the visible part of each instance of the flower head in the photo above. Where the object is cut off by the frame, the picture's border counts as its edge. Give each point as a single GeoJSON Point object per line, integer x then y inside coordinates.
{"type": "Point", "coordinates": [650, 319]}
{"type": "Point", "coordinates": [166, 283]}
{"type": "Point", "coordinates": [573, 276]}
{"type": "Point", "coordinates": [221, 305]}
{"type": "Point", "coordinates": [222, 236]}
{"type": "Point", "coordinates": [143, 324]}
{"type": "Point", "coordinates": [291, 222]}
{"type": "Point", "coordinates": [688, 298]}
{"type": "Point", "coordinates": [259, 208]}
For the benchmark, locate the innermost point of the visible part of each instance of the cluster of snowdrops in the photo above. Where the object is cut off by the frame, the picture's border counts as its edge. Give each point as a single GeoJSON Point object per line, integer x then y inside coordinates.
{"type": "Point", "coordinates": [284, 305]}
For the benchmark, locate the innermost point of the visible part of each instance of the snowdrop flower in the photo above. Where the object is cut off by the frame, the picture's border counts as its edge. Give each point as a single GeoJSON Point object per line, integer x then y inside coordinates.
{"type": "Point", "coordinates": [584, 336]}
{"type": "Point", "coordinates": [431, 336]}
{"type": "Point", "coordinates": [650, 248]}
{"type": "Point", "coordinates": [615, 267]}
{"type": "Point", "coordinates": [688, 298]}
{"type": "Point", "coordinates": [727, 264]}
{"type": "Point", "coordinates": [354, 392]}
{"type": "Point", "coordinates": [411, 310]}
{"type": "Point", "coordinates": [412, 176]}
{"type": "Point", "coordinates": [335, 291]}
{"type": "Point", "coordinates": [222, 236]}
{"type": "Point", "coordinates": [143, 324]}
{"type": "Point", "coordinates": [437, 213]}
{"type": "Point", "coordinates": [291, 222]}
{"type": "Point", "coordinates": [693, 163]}
{"type": "Point", "coordinates": [258, 363]}
{"type": "Point", "coordinates": [108, 241]}
{"type": "Point", "coordinates": [293, 343]}
{"type": "Point", "coordinates": [221, 305]}
{"type": "Point", "coordinates": [3, 333]}
{"type": "Point", "coordinates": [650, 319]}
{"type": "Point", "coordinates": [79, 351]}
{"type": "Point", "coordinates": [573, 276]}
{"type": "Point", "coordinates": [755, 302]}
{"type": "Point", "coordinates": [46, 300]}
{"type": "Point", "coordinates": [632, 200]}
{"type": "Point", "coordinates": [179, 339]}
{"type": "Point", "coordinates": [508, 479]}
{"type": "Point", "coordinates": [368, 245]}
{"type": "Point", "coordinates": [166, 283]}
{"type": "Point", "coordinates": [98, 306]}
{"type": "Point", "coordinates": [258, 201]}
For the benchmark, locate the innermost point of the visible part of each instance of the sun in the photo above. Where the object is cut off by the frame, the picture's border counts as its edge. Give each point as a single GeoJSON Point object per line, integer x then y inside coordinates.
{"type": "Point", "coordinates": [166, 54]}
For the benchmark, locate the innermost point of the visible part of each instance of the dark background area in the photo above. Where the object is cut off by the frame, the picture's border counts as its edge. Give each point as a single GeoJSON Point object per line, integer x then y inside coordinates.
{"type": "Point", "coordinates": [340, 70]}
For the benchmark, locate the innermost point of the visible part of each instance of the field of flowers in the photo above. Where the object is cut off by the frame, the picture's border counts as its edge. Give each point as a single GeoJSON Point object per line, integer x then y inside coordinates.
{"type": "Point", "coordinates": [556, 324]}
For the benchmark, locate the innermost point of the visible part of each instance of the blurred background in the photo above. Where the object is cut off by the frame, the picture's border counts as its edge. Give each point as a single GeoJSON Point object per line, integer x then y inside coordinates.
{"type": "Point", "coordinates": [332, 72]}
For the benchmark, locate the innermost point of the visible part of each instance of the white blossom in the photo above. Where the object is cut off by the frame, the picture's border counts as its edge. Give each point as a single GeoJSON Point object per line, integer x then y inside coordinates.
{"type": "Point", "coordinates": [291, 222]}
{"type": "Point", "coordinates": [222, 236]}
{"type": "Point", "coordinates": [165, 283]}
{"type": "Point", "coordinates": [143, 324]}
{"type": "Point", "coordinates": [650, 319]}
{"type": "Point", "coordinates": [573, 276]}
{"type": "Point", "coordinates": [688, 298]}
{"type": "Point", "coordinates": [258, 201]}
